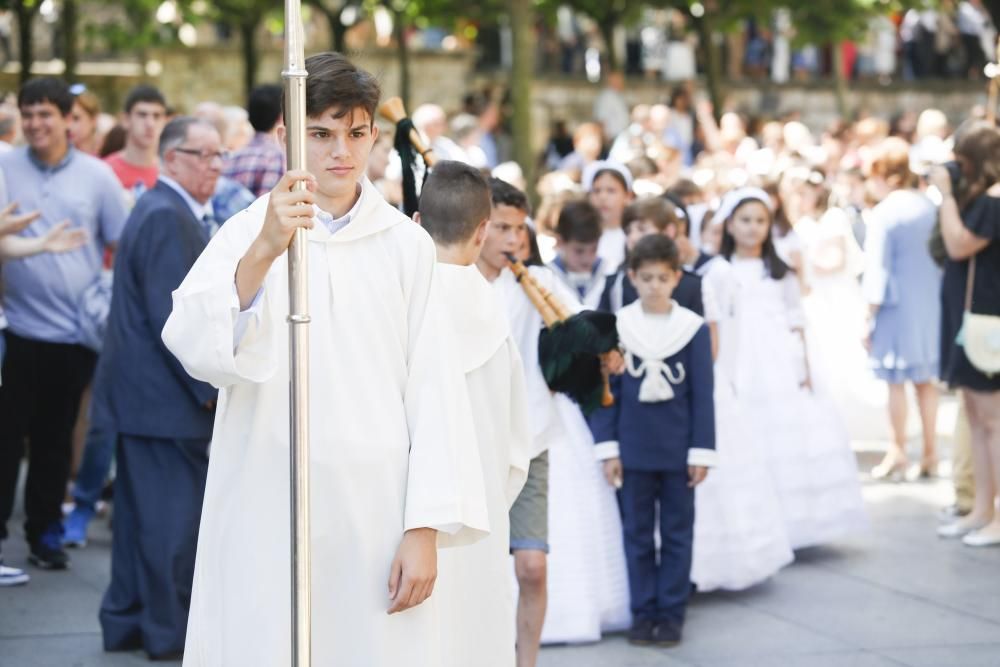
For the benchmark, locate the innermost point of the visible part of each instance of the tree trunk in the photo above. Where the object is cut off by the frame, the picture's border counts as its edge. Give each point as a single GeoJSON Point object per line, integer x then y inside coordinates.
{"type": "Point", "coordinates": [403, 57]}
{"type": "Point", "coordinates": [522, 22]}
{"type": "Point", "coordinates": [840, 80]}
{"type": "Point", "coordinates": [338, 31]}
{"type": "Point", "coordinates": [248, 29]}
{"type": "Point", "coordinates": [69, 27]}
{"type": "Point", "coordinates": [608, 34]}
{"type": "Point", "coordinates": [713, 64]}
{"type": "Point", "coordinates": [26, 50]}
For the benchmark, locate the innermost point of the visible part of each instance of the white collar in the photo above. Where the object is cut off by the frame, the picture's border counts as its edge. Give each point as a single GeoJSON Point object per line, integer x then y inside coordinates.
{"type": "Point", "coordinates": [197, 209]}
{"type": "Point", "coordinates": [336, 224]}
{"type": "Point", "coordinates": [655, 338]}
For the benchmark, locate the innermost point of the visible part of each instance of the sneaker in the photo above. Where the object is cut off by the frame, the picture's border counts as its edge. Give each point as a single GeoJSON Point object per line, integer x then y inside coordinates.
{"type": "Point", "coordinates": [75, 527]}
{"type": "Point", "coordinates": [11, 576]}
{"type": "Point", "coordinates": [47, 552]}
{"type": "Point", "coordinates": [667, 633]}
{"type": "Point", "coordinates": [641, 633]}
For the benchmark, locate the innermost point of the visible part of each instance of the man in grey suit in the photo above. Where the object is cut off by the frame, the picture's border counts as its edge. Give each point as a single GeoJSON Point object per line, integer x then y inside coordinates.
{"type": "Point", "coordinates": [162, 416]}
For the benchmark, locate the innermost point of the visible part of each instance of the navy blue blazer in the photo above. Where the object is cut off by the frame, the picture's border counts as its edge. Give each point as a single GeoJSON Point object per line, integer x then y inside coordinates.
{"type": "Point", "coordinates": [141, 387]}
{"type": "Point", "coordinates": [686, 294]}
{"type": "Point", "coordinates": [657, 436]}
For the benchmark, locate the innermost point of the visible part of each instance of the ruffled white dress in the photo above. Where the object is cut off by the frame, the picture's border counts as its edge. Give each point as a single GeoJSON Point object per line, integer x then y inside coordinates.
{"type": "Point", "coordinates": [587, 576]}
{"type": "Point", "coordinates": [799, 432]}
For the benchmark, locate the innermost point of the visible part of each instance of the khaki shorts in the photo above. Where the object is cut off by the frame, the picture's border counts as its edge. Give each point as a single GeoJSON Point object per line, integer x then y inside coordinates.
{"type": "Point", "coordinates": [529, 515]}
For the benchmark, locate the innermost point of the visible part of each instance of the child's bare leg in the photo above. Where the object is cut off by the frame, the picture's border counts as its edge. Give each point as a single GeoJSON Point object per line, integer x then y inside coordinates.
{"type": "Point", "coordinates": [530, 566]}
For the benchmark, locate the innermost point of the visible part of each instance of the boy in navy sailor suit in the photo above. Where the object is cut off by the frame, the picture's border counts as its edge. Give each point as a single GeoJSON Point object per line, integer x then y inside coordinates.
{"type": "Point", "coordinates": [658, 440]}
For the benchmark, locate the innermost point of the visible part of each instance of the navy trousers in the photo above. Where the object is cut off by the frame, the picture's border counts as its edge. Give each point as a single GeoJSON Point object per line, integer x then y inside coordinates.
{"type": "Point", "coordinates": [159, 490]}
{"type": "Point", "coordinates": [658, 583]}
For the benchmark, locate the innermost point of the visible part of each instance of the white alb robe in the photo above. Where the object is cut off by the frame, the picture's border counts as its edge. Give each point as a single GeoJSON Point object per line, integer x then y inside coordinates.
{"type": "Point", "coordinates": [389, 442]}
{"type": "Point", "coordinates": [474, 592]}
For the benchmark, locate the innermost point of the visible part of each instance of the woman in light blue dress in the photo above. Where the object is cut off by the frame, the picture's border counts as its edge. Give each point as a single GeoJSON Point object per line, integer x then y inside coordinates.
{"type": "Point", "coordinates": [901, 285]}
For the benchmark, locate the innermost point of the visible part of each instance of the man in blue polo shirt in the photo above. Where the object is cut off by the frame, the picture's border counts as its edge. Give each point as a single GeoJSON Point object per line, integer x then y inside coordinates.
{"type": "Point", "coordinates": [46, 367]}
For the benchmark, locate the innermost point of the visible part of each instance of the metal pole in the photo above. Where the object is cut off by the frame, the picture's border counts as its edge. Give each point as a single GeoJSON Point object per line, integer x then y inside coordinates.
{"type": "Point", "coordinates": [294, 77]}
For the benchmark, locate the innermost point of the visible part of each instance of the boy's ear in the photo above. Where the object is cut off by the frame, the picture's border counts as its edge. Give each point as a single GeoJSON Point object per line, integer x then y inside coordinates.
{"type": "Point", "coordinates": [631, 275]}
{"type": "Point", "coordinates": [481, 230]}
{"type": "Point", "coordinates": [281, 132]}
{"type": "Point", "coordinates": [416, 217]}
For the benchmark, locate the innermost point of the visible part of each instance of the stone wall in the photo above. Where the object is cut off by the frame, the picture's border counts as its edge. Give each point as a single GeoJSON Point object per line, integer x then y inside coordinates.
{"type": "Point", "coordinates": [191, 75]}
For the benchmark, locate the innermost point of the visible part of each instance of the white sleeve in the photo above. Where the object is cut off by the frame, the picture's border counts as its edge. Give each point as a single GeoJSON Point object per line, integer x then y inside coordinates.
{"type": "Point", "coordinates": [245, 317]}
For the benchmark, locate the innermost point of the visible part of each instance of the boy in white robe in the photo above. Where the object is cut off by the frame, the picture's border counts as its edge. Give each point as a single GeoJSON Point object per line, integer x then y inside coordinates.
{"type": "Point", "coordinates": [392, 476]}
{"type": "Point", "coordinates": [473, 588]}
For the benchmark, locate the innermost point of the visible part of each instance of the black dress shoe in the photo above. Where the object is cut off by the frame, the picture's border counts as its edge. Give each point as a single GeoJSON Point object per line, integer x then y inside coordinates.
{"type": "Point", "coordinates": [48, 556]}
{"type": "Point", "coordinates": [641, 633]}
{"type": "Point", "coordinates": [667, 633]}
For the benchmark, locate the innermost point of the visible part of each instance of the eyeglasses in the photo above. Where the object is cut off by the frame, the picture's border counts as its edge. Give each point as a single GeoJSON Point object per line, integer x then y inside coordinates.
{"type": "Point", "coordinates": [204, 156]}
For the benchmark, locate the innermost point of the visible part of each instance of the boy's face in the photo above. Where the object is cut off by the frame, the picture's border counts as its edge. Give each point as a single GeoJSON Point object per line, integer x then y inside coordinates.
{"type": "Point", "coordinates": [711, 238]}
{"type": "Point", "coordinates": [578, 257]}
{"type": "Point", "coordinates": [337, 150]}
{"type": "Point", "coordinates": [504, 234]}
{"type": "Point", "coordinates": [44, 127]}
{"type": "Point", "coordinates": [636, 231]}
{"type": "Point", "coordinates": [655, 283]}
{"type": "Point", "coordinates": [144, 123]}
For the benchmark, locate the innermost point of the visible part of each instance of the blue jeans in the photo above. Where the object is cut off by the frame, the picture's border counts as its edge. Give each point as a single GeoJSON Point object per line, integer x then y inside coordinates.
{"type": "Point", "coordinates": [98, 451]}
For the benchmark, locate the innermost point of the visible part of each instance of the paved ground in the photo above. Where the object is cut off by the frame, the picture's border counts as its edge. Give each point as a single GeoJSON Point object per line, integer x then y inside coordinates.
{"type": "Point", "coordinates": [897, 596]}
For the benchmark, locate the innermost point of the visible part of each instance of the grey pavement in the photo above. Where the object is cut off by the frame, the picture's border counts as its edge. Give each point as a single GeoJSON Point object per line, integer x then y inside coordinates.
{"type": "Point", "coordinates": [895, 596]}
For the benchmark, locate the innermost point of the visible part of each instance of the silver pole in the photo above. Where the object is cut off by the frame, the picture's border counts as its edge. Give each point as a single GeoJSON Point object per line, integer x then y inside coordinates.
{"type": "Point", "coordinates": [294, 77]}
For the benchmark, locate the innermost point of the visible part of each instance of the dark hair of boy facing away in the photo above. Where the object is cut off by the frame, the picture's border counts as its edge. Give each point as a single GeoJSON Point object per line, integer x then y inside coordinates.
{"type": "Point", "coordinates": [503, 193]}
{"type": "Point", "coordinates": [534, 254]}
{"type": "Point", "coordinates": [776, 267]}
{"type": "Point", "coordinates": [654, 249]}
{"type": "Point", "coordinates": [455, 199]}
{"type": "Point", "coordinates": [579, 221]}
{"type": "Point", "coordinates": [657, 210]}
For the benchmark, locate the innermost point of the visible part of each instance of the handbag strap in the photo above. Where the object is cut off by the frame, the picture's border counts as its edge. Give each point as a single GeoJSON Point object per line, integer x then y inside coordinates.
{"type": "Point", "coordinates": [970, 281]}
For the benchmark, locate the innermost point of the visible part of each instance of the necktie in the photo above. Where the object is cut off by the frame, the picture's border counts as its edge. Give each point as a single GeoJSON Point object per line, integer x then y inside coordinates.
{"type": "Point", "coordinates": [209, 224]}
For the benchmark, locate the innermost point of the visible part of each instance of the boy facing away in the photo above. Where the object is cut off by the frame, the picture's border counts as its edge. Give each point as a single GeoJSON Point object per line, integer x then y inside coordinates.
{"type": "Point", "coordinates": [474, 581]}
{"type": "Point", "coordinates": [658, 439]}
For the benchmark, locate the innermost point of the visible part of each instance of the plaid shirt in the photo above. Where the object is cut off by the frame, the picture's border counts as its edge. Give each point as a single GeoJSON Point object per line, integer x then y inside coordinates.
{"type": "Point", "coordinates": [259, 165]}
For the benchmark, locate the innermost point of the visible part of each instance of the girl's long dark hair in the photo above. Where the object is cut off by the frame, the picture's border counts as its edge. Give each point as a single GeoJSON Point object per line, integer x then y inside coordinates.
{"type": "Point", "coordinates": [776, 267]}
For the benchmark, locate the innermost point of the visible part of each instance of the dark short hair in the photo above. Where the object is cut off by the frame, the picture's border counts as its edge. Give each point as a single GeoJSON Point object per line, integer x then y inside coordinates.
{"type": "Point", "coordinates": [334, 82]}
{"type": "Point", "coordinates": [655, 209]}
{"type": "Point", "coordinates": [654, 248]}
{"type": "Point", "coordinates": [46, 89]}
{"type": "Point", "coordinates": [264, 106]}
{"type": "Point", "coordinates": [454, 200]}
{"type": "Point", "coordinates": [144, 93]}
{"type": "Point", "coordinates": [503, 193]}
{"type": "Point", "coordinates": [684, 188]}
{"type": "Point", "coordinates": [579, 221]}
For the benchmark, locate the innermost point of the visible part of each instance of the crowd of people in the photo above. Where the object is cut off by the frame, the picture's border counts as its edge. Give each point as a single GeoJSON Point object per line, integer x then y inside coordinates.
{"type": "Point", "coordinates": [774, 291]}
{"type": "Point", "coordinates": [954, 40]}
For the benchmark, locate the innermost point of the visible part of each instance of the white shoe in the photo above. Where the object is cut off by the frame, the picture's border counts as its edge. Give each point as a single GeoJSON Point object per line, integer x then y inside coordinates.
{"type": "Point", "coordinates": [11, 576]}
{"type": "Point", "coordinates": [958, 529]}
{"type": "Point", "coordinates": [983, 538]}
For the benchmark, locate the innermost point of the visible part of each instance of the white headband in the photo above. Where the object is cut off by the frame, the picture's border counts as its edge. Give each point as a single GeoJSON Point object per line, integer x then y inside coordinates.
{"type": "Point", "coordinates": [732, 199]}
{"type": "Point", "coordinates": [594, 168]}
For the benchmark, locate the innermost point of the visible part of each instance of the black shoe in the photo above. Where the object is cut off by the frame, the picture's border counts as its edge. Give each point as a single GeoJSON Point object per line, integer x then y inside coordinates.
{"type": "Point", "coordinates": [667, 633]}
{"type": "Point", "coordinates": [641, 633]}
{"type": "Point", "coordinates": [47, 552]}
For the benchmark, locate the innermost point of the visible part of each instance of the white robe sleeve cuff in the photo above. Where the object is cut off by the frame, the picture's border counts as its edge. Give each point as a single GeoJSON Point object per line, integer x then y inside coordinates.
{"type": "Point", "coordinates": [606, 450]}
{"type": "Point", "coordinates": [244, 317]}
{"type": "Point", "coordinates": [703, 458]}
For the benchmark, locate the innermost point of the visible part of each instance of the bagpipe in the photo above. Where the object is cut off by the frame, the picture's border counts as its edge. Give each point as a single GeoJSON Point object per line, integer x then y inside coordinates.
{"type": "Point", "coordinates": [575, 351]}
